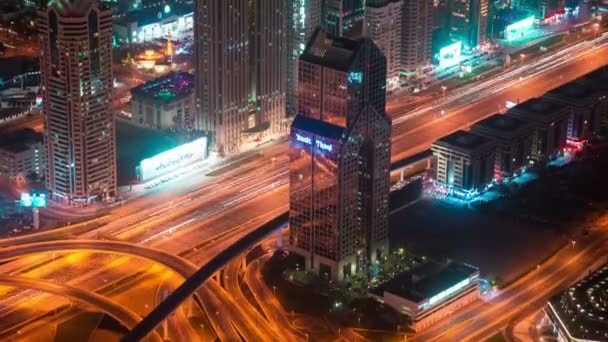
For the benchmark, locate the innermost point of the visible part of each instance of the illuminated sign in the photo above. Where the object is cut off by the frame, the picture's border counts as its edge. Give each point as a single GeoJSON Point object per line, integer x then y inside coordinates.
{"type": "Point", "coordinates": [301, 138]}
{"type": "Point", "coordinates": [308, 141]}
{"type": "Point", "coordinates": [173, 159]}
{"type": "Point", "coordinates": [324, 146]}
{"type": "Point", "coordinates": [450, 55]}
{"type": "Point", "coordinates": [449, 292]}
{"type": "Point", "coordinates": [355, 77]}
{"type": "Point", "coordinates": [32, 200]}
{"type": "Point", "coordinates": [519, 29]}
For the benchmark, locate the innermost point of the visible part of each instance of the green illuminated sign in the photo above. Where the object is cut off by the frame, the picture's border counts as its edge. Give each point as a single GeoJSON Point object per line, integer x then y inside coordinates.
{"type": "Point", "coordinates": [33, 200]}
{"type": "Point", "coordinates": [450, 55]}
{"type": "Point", "coordinates": [519, 29]}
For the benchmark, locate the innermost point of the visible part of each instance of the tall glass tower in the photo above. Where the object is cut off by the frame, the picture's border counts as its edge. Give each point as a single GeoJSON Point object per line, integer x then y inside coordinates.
{"type": "Point", "coordinates": [340, 157]}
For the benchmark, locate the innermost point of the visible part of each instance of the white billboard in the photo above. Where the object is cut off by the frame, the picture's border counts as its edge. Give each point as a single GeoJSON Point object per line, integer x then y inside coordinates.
{"type": "Point", "coordinates": [172, 160]}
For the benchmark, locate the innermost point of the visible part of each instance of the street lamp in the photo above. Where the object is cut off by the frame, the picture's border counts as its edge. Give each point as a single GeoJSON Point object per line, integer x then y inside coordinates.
{"type": "Point", "coordinates": [443, 89]}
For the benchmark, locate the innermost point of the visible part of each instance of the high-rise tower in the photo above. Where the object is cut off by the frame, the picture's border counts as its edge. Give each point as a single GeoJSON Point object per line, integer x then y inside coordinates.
{"type": "Point", "coordinates": [240, 65]}
{"type": "Point", "coordinates": [344, 17]}
{"type": "Point", "coordinates": [303, 17]}
{"type": "Point", "coordinates": [76, 72]}
{"type": "Point", "coordinates": [340, 157]}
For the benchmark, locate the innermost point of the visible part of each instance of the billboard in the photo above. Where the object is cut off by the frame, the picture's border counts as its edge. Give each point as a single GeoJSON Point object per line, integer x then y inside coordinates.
{"type": "Point", "coordinates": [450, 55]}
{"type": "Point", "coordinates": [32, 200]}
{"type": "Point", "coordinates": [519, 29]}
{"type": "Point", "coordinates": [172, 160]}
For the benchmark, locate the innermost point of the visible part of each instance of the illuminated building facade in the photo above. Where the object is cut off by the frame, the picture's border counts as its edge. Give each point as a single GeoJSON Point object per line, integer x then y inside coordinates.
{"type": "Point", "coordinates": [416, 35]}
{"type": "Point", "coordinates": [76, 72]}
{"type": "Point", "coordinates": [165, 103]}
{"type": "Point", "coordinates": [550, 125]}
{"type": "Point", "coordinates": [513, 143]}
{"type": "Point", "coordinates": [344, 17]}
{"type": "Point", "coordinates": [468, 22]}
{"type": "Point", "coordinates": [148, 24]}
{"type": "Point", "coordinates": [430, 293]}
{"type": "Point", "coordinates": [465, 162]}
{"type": "Point", "coordinates": [383, 26]}
{"type": "Point", "coordinates": [583, 120]}
{"type": "Point", "coordinates": [340, 157]}
{"type": "Point", "coordinates": [240, 65]}
{"type": "Point", "coordinates": [579, 313]}
{"type": "Point", "coordinates": [303, 17]}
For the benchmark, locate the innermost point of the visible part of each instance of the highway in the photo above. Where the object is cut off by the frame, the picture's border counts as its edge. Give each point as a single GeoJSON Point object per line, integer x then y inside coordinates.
{"type": "Point", "coordinates": [176, 218]}
{"type": "Point", "coordinates": [124, 316]}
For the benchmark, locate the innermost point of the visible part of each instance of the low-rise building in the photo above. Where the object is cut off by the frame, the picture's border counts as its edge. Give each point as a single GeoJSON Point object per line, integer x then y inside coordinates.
{"type": "Point", "coordinates": [430, 293]}
{"type": "Point", "coordinates": [580, 313]}
{"type": "Point", "coordinates": [597, 81]}
{"type": "Point", "coordinates": [513, 142]}
{"type": "Point", "coordinates": [148, 24]}
{"type": "Point", "coordinates": [549, 122]}
{"type": "Point", "coordinates": [465, 162]}
{"type": "Point", "coordinates": [21, 154]}
{"type": "Point", "coordinates": [578, 98]}
{"type": "Point", "coordinates": [166, 102]}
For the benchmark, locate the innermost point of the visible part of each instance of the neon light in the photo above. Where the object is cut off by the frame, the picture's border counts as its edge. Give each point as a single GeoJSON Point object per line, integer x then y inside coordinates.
{"type": "Point", "coordinates": [33, 200]}
{"type": "Point", "coordinates": [519, 29]}
{"type": "Point", "coordinates": [450, 55]}
{"type": "Point", "coordinates": [303, 139]}
{"type": "Point", "coordinates": [355, 77]}
{"type": "Point", "coordinates": [324, 146]}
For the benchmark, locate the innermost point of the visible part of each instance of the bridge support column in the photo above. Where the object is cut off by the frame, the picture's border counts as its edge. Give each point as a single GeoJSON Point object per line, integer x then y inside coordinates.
{"type": "Point", "coordinates": [280, 238]}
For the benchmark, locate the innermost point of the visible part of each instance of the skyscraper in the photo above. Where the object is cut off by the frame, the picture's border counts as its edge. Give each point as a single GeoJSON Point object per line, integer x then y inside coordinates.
{"type": "Point", "coordinates": [416, 35]}
{"type": "Point", "coordinates": [344, 17]}
{"type": "Point", "coordinates": [240, 54]}
{"type": "Point", "coordinates": [76, 73]}
{"type": "Point", "coordinates": [383, 20]}
{"type": "Point", "coordinates": [468, 22]}
{"type": "Point", "coordinates": [303, 17]}
{"type": "Point", "coordinates": [340, 157]}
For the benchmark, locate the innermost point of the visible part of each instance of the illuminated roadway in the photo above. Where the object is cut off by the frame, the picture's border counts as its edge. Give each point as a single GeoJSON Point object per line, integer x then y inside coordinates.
{"type": "Point", "coordinates": [188, 217]}
{"type": "Point", "coordinates": [123, 315]}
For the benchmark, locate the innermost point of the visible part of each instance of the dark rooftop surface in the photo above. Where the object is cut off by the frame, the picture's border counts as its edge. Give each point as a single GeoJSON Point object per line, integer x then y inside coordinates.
{"type": "Point", "coordinates": [427, 280]}
{"type": "Point", "coordinates": [18, 141]}
{"type": "Point", "coordinates": [598, 79]}
{"type": "Point", "coordinates": [333, 52]}
{"type": "Point", "coordinates": [537, 106]}
{"type": "Point", "coordinates": [574, 90]}
{"type": "Point", "coordinates": [146, 16]}
{"type": "Point", "coordinates": [317, 127]}
{"type": "Point", "coordinates": [501, 122]}
{"type": "Point", "coordinates": [583, 307]}
{"type": "Point", "coordinates": [412, 159]}
{"type": "Point", "coordinates": [464, 139]}
{"type": "Point", "coordinates": [166, 89]}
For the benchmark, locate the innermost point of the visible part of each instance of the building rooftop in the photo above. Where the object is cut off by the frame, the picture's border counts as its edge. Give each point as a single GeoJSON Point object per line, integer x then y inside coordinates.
{"type": "Point", "coordinates": [464, 140]}
{"type": "Point", "coordinates": [317, 127]}
{"type": "Point", "coordinates": [333, 52]}
{"type": "Point", "coordinates": [582, 309]}
{"type": "Point", "coordinates": [571, 90]}
{"type": "Point", "coordinates": [20, 140]}
{"type": "Point", "coordinates": [538, 108]}
{"type": "Point", "coordinates": [428, 280]}
{"type": "Point", "coordinates": [502, 123]}
{"type": "Point", "coordinates": [597, 79]}
{"type": "Point", "coordinates": [166, 89]}
{"type": "Point", "coordinates": [151, 15]}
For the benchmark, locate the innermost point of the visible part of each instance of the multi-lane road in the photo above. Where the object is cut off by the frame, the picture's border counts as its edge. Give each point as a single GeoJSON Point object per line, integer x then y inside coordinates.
{"type": "Point", "coordinates": [201, 215]}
